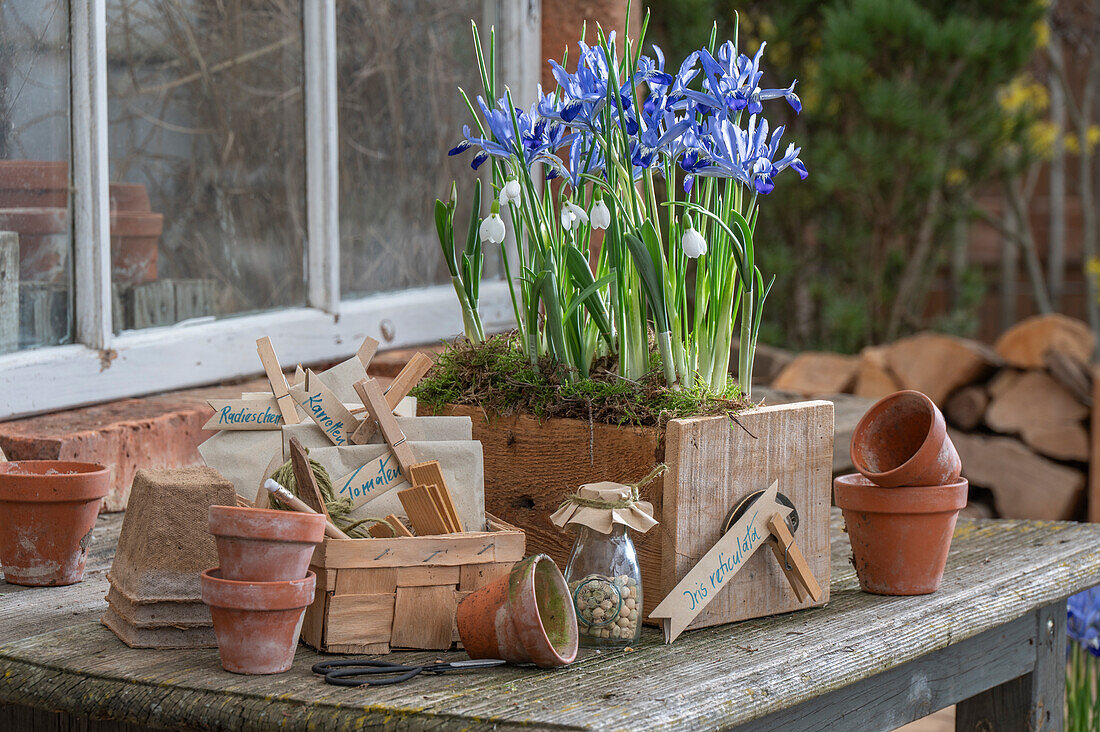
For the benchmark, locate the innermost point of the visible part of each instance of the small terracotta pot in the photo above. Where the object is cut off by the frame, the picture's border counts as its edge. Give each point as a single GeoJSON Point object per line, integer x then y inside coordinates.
{"type": "Point", "coordinates": [134, 239]}
{"type": "Point", "coordinates": [257, 623]}
{"type": "Point", "coordinates": [262, 545]}
{"type": "Point", "coordinates": [900, 536]}
{"type": "Point", "coordinates": [47, 511]}
{"type": "Point", "coordinates": [44, 242]}
{"type": "Point", "coordinates": [902, 440]}
{"type": "Point", "coordinates": [526, 617]}
{"type": "Point", "coordinates": [129, 197]}
{"type": "Point", "coordinates": [34, 183]}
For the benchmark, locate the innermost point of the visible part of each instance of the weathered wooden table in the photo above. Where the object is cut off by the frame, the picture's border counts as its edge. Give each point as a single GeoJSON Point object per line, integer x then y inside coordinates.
{"type": "Point", "coordinates": [992, 639]}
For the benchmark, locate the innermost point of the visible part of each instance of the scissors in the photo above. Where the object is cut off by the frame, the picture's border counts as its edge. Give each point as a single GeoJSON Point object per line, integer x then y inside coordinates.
{"type": "Point", "coordinates": [346, 672]}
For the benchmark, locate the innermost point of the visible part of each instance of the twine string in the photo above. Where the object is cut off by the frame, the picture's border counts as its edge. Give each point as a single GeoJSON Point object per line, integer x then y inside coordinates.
{"type": "Point", "coordinates": [579, 500]}
{"type": "Point", "coordinates": [338, 508]}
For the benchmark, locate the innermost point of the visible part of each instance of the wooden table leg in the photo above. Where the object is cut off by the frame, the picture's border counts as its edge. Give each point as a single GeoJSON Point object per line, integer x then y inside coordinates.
{"type": "Point", "coordinates": [1033, 701]}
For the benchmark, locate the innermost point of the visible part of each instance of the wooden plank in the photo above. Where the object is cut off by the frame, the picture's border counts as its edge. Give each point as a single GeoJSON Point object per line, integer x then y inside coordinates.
{"type": "Point", "coordinates": [423, 617]}
{"type": "Point", "coordinates": [916, 689]}
{"type": "Point", "coordinates": [430, 473]}
{"type": "Point", "coordinates": [313, 623]}
{"type": "Point", "coordinates": [419, 576]}
{"type": "Point", "coordinates": [9, 291]}
{"type": "Point", "coordinates": [469, 548]}
{"type": "Point", "coordinates": [195, 298]}
{"type": "Point", "coordinates": [60, 658]}
{"type": "Point", "coordinates": [152, 304]}
{"type": "Point", "coordinates": [379, 581]}
{"type": "Point", "coordinates": [476, 576]}
{"type": "Point", "coordinates": [308, 490]}
{"type": "Point", "coordinates": [1031, 701]}
{"type": "Point", "coordinates": [278, 382]}
{"type": "Point", "coordinates": [359, 619]}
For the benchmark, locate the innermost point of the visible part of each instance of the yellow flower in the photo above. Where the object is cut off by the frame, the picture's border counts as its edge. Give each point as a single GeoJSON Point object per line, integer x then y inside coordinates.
{"type": "Point", "coordinates": [955, 176]}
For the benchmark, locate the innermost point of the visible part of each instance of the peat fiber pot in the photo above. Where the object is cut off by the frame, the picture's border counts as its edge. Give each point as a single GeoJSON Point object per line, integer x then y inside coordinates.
{"type": "Point", "coordinates": [263, 545]}
{"type": "Point", "coordinates": [900, 536]}
{"type": "Point", "coordinates": [257, 623]}
{"type": "Point", "coordinates": [47, 511]}
{"type": "Point", "coordinates": [713, 463]}
{"type": "Point", "coordinates": [902, 440]}
{"type": "Point", "coordinates": [526, 616]}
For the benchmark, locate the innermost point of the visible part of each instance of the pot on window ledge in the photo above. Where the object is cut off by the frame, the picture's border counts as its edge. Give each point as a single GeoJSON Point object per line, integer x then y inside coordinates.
{"type": "Point", "coordinates": [134, 239]}
{"type": "Point", "coordinates": [34, 184]}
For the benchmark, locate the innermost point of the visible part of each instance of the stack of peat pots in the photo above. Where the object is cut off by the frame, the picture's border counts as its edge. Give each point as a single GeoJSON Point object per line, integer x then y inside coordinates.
{"type": "Point", "coordinates": [901, 507]}
{"type": "Point", "coordinates": [259, 592]}
{"type": "Point", "coordinates": [155, 598]}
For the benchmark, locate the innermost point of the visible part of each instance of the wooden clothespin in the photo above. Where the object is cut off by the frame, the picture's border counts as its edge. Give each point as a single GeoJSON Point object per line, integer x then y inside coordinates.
{"type": "Point", "coordinates": [366, 351]}
{"type": "Point", "coordinates": [791, 559]}
{"type": "Point", "coordinates": [379, 411]}
{"type": "Point", "coordinates": [402, 384]}
{"type": "Point", "coordinates": [278, 383]}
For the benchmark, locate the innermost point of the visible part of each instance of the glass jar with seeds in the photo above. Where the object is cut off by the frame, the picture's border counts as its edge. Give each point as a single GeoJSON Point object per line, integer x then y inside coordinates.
{"type": "Point", "coordinates": [603, 574]}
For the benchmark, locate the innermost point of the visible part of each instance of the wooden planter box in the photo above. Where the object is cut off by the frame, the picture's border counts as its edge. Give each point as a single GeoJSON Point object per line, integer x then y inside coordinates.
{"type": "Point", "coordinates": [530, 466]}
{"type": "Point", "coordinates": [377, 594]}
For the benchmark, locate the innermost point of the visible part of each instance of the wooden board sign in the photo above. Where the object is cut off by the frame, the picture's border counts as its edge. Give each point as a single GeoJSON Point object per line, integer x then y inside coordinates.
{"type": "Point", "coordinates": [325, 409]}
{"type": "Point", "coordinates": [371, 480]}
{"type": "Point", "coordinates": [718, 566]}
{"type": "Point", "coordinates": [250, 413]}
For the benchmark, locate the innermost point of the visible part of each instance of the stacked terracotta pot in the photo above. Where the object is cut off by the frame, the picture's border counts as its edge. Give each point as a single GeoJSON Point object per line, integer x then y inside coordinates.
{"type": "Point", "coordinates": [34, 200]}
{"type": "Point", "coordinates": [900, 509]}
{"type": "Point", "coordinates": [259, 592]}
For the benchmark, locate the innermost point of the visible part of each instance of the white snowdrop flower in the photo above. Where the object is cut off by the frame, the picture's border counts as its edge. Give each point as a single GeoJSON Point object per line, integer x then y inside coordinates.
{"type": "Point", "coordinates": [601, 215]}
{"type": "Point", "coordinates": [694, 244]}
{"type": "Point", "coordinates": [510, 193]}
{"type": "Point", "coordinates": [492, 229]}
{"type": "Point", "coordinates": [572, 215]}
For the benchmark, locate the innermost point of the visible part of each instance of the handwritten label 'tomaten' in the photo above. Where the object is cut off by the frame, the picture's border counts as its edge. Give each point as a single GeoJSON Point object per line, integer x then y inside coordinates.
{"type": "Point", "coordinates": [369, 481]}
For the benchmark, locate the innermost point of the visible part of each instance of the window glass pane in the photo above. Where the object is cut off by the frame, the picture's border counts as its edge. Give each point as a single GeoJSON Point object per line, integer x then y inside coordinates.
{"type": "Point", "coordinates": [399, 68]}
{"type": "Point", "coordinates": [207, 154]}
{"type": "Point", "coordinates": [36, 260]}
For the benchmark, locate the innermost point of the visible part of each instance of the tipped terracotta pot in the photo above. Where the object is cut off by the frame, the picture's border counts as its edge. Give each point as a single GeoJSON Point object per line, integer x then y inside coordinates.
{"type": "Point", "coordinates": [34, 183]}
{"type": "Point", "coordinates": [44, 242]}
{"type": "Point", "coordinates": [262, 545]}
{"type": "Point", "coordinates": [900, 536]}
{"type": "Point", "coordinates": [526, 617]}
{"type": "Point", "coordinates": [47, 511]}
{"type": "Point", "coordinates": [134, 239]}
{"type": "Point", "coordinates": [902, 440]}
{"type": "Point", "coordinates": [257, 623]}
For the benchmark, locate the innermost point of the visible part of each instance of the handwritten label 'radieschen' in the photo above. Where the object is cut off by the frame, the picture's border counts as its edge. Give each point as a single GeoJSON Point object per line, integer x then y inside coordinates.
{"type": "Point", "coordinates": [244, 414]}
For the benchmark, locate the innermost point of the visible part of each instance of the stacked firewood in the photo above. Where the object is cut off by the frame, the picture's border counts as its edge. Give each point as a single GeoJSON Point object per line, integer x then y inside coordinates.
{"type": "Point", "coordinates": [1018, 412]}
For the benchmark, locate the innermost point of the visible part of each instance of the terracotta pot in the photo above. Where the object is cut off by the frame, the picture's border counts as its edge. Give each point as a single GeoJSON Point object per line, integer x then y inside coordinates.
{"type": "Point", "coordinates": [526, 617]}
{"type": "Point", "coordinates": [257, 623]}
{"type": "Point", "coordinates": [900, 536]}
{"type": "Point", "coordinates": [48, 509]}
{"type": "Point", "coordinates": [902, 440]}
{"type": "Point", "coordinates": [129, 197]}
{"type": "Point", "coordinates": [34, 184]}
{"type": "Point", "coordinates": [134, 239]}
{"type": "Point", "coordinates": [44, 242]}
{"type": "Point", "coordinates": [262, 545]}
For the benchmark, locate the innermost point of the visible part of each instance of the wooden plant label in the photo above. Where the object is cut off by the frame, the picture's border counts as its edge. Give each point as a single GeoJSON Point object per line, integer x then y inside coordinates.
{"type": "Point", "coordinates": [718, 566]}
{"type": "Point", "coordinates": [325, 409]}
{"type": "Point", "coordinates": [371, 480]}
{"type": "Point", "coordinates": [245, 414]}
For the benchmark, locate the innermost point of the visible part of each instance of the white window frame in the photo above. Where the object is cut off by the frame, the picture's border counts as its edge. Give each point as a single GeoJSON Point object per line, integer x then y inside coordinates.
{"type": "Point", "coordinates": [101, 365]}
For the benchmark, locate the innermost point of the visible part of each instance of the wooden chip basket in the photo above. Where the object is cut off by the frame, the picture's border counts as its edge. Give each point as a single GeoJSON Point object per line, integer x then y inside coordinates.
{"type": "Point", "coordinates": [377, 594]}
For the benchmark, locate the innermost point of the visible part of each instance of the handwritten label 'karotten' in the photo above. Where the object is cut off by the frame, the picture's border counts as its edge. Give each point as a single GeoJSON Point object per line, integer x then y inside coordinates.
{"type": "Point", "coordinates": [718, 566]}
{"type": "Point", "coordinates": [371, 480]}
{"type": "Point", "coordinates": [325, 409]}
{"type": "Point", "coordinates": [244, 414]}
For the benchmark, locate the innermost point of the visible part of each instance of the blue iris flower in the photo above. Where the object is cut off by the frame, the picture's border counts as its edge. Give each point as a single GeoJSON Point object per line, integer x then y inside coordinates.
{"type": "Point", "coordinates": [1083, 622]}
{"type": "Point", "coordinates": [746, 155]}
{"type": "Point", "coordinates": [539, 137]}
{"type": "Point", "coordinates": [732, 82]}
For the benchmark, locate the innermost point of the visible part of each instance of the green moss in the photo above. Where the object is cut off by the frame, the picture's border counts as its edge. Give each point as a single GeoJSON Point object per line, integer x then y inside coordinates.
{"type": "Point", "coordinates": [496, 376]}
